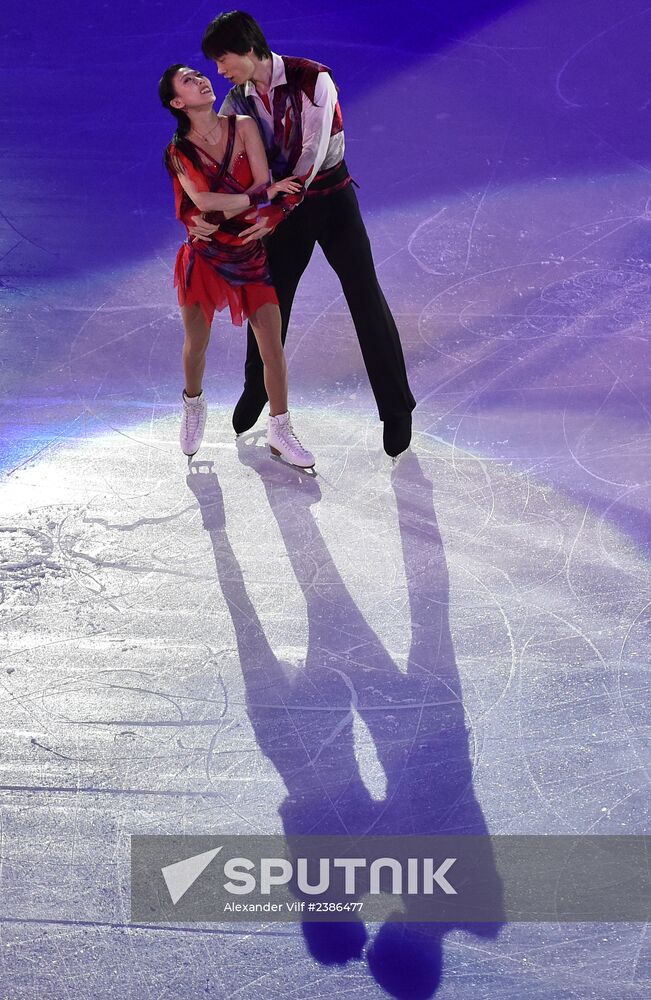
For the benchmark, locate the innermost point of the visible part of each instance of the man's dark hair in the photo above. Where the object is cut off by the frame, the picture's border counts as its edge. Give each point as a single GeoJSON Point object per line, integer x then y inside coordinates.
{"type": "Point", "coordinates": [234, 32]}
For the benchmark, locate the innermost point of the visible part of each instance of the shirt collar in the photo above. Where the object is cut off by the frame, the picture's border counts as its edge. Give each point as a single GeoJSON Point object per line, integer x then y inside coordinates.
{"type": "Point", "coordinates": [278, 75]}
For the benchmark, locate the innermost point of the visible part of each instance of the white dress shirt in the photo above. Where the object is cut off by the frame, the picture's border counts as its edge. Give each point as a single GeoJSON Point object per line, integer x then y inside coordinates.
{"type": "Point", "coordinates": [320, 150]}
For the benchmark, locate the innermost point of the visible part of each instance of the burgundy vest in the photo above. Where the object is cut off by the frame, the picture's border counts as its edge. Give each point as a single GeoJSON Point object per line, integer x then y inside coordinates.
{"type": "Point", "coordinates": [283, 142]}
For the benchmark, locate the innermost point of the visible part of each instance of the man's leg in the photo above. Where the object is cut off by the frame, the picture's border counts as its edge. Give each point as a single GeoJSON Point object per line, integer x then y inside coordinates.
{"type": "Point", "coordinates": [289, 249]}
{"type": "Point", "coordinates": [345, 243]}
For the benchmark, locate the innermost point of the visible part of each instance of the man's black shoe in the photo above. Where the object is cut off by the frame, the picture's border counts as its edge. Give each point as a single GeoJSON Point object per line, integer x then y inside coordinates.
{"type": "Point", "coordinates": [397, 434]}
{"type": "Point", "coordinates": [248, 409]}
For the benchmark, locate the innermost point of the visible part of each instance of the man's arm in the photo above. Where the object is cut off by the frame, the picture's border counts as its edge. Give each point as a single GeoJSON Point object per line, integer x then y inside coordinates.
{"type": "Point", "coordinates": [317, 124]}
{"type": "Point", "coordinates": [316, 120]}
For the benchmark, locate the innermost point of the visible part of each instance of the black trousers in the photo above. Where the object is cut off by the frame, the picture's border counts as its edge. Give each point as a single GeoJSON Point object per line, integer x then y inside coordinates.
{"type": "Point", "coordinates": [334, 222]}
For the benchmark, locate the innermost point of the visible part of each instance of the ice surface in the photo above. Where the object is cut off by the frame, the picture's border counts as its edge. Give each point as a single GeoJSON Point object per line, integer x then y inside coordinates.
{"type": "Point", "coordinates": [456, 644]}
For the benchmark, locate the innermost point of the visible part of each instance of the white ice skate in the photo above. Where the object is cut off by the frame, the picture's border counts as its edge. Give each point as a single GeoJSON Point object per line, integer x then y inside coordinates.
{"type": "Point", "coordinates": [193, 422]}
{"type": "Point", "coordinates": [284, 443]}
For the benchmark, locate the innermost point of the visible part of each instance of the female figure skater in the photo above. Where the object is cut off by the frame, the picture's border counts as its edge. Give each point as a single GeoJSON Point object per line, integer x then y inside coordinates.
{"type": "Point", "coordinates": [218, 164]}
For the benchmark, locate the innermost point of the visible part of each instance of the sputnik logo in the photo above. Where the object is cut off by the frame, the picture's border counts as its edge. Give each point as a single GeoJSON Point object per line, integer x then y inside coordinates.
{"type": "Point", "coordinates": [242, 873]}
{"type": "Point", "coordinates": [182, 874]}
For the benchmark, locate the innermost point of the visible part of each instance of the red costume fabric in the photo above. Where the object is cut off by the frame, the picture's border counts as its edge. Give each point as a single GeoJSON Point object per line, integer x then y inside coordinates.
{"type": "Point", "coordinates": [224, 271]}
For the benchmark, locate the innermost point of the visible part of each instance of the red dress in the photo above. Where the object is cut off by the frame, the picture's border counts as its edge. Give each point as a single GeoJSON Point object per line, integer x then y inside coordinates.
{"type": "Point", "coordinates": [225, 271]}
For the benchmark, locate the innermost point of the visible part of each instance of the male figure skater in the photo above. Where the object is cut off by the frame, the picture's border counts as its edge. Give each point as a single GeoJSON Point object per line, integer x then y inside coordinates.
{"type": "Point", "coordinates": [294, 102]}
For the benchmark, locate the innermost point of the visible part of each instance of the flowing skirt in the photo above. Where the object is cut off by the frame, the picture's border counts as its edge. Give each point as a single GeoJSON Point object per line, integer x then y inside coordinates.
{"type": "Point", "coordinates": [199, 283]}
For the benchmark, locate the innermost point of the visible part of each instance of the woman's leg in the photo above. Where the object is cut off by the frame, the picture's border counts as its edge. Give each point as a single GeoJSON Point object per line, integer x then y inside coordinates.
{"type": "Point", "coordinates": [266, 327]}
{"type": "Point", "coordinates": [281, 438]}
{"type": "Point", "coordinates": [289, 249]}
{"type": "Point", "coordinates": [197, 336]}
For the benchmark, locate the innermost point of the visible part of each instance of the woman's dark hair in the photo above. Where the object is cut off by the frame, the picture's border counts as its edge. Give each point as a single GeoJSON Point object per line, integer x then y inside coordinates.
{"type": "Point", "coordinates": [167, 93]}
{"type": "Point", "coordinates": [234, 32]}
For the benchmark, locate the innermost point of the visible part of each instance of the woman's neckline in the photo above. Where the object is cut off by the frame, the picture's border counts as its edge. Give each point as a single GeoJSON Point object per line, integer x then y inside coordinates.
{"type": "Point", "coordinates": [219, 163]}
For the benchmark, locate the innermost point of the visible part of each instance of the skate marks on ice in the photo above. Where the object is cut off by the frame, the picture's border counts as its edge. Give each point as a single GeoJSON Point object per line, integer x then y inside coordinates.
{"type": "Point", "coordinates": [450, 645]}
{"type": "Point", "coordinates": [539, 354]}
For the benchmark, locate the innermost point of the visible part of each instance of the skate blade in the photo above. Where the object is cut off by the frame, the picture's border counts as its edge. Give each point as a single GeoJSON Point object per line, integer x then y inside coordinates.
{"type": "Point", "coordinates": [307, 469]}
{"type": "Point", "coordinates": [395, 459]}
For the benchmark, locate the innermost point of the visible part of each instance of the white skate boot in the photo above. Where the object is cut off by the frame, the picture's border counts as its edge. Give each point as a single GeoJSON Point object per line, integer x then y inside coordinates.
{"type": "Point", "coordinates": [284, 443]}
{"type": "Point", "coordinates": [193, 422]}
